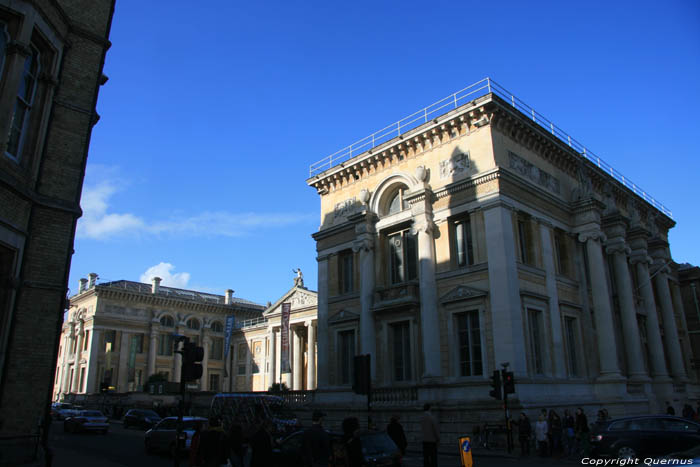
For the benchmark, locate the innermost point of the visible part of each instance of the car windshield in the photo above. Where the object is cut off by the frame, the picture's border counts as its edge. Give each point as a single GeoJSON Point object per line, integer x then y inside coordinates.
{"type": "Point", "coordinates": [91, 413]}
{"type": "Point", "coordinates": [377, 443]}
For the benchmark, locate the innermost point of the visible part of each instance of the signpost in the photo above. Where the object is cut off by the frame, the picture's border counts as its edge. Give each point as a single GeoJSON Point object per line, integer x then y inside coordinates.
{"type": "Point", "coordinates": [465, 451]}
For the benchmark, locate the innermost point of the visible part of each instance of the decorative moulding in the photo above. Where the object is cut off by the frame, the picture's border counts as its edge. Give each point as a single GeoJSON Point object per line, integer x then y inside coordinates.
{"type": "Point", "coordinates": [462, 292]}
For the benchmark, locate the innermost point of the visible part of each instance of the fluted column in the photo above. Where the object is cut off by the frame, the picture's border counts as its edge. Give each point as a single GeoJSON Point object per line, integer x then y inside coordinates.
{"type": "Point", "coordinates": [311, 352]}
{"type": "Point", "coordinates": [271, 370]}
{"type": "Point", "coordinates": [123, 375]}
{"type": "Point", "coordinates": [76, 358]}
{"type": "Point", "coordinates": [92, 384]}
{"type": "Point", "coordinates": [322, 316]}
{"type": "Point", "coordinates": [177, 359]}
{"type": "Point", "coordinates": [204, 380]}
{"type": "Point", "coordinates": [670, 330]}
{"type": "Point", "coordinates": [630, 329]}
{"type": "Point", "coordinates": [430, 331]}
{"type": "Point", "coordinates": [365, 246]}
{"type": "Point", "coordinates": [553, 293]}
{"type": "Point", "coordinates": [297, 357]}
{"type": "Point", "coordinates": [152, 348]}
{"type": "Point", "coordinates": [607, 350]}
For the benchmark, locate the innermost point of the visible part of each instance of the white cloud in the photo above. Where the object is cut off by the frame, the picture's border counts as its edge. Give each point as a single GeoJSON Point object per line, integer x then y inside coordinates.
{"type": "Point", "coordinates": [166, 272]}
{"type": "Point", "coordinates": [99, 222]}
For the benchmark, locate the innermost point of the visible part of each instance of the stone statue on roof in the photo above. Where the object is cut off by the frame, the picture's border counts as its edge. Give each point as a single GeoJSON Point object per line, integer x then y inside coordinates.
{"type": "Point", "coordinates": [299, 279]}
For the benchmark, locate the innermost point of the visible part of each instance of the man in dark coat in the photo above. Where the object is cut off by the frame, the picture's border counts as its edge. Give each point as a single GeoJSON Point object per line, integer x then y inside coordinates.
{"type": "Point", "coordinates": [524, 433]}
{"type": "Point", "coordinates": [316, 442]}
{"type": "Point", "coordinates": [395, 432]}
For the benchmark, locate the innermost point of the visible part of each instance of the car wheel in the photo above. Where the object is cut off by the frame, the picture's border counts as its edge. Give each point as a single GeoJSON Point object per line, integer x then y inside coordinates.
{"type": "Point", "coordinates": [626, 452]}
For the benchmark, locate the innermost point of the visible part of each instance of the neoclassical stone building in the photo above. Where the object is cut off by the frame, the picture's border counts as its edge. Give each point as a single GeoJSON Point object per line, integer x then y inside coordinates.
{"type": "Point", "coordinates": [475, 232]}
{"type": "Point", "coordinates": [117, 334]}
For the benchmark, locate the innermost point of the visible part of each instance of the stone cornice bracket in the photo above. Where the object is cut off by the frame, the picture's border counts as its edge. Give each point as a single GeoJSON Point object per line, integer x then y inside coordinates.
{"type": "Point", "coordinates": [592, 234]}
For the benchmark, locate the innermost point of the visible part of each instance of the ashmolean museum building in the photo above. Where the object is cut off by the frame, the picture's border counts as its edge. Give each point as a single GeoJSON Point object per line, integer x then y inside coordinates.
{"type": "Point", "coordinates": [476, 232]}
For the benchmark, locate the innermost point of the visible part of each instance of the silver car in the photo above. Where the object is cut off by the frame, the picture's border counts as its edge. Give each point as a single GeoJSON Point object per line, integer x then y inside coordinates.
{"type": "Point", "coordinates": [86, 420]}
{"type": "Point", "coordinates": [161, 438]}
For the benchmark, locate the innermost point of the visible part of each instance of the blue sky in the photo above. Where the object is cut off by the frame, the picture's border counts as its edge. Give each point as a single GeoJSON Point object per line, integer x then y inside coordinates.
{"type": "Point", "coordinates": [214, 111]}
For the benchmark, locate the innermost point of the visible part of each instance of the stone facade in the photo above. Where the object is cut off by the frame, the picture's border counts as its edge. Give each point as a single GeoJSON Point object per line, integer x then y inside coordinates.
{"type": "Point", "coordinates": [118, 334]}
{"type": "Point", "coordinates": [51, 59]}
{"type": "Point", "coordinates": [480, 238]}
{"type": "Point", "coordinates": [689, 283]}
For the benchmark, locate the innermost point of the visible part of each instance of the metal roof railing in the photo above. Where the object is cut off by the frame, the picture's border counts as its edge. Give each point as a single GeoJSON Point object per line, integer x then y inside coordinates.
{"type": "Point", "coordinates": [453, 101]}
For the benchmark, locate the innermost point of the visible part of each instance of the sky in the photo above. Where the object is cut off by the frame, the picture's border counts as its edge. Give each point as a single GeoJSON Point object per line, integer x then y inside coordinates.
{"type": "Point", "coordinates": [214, 111]}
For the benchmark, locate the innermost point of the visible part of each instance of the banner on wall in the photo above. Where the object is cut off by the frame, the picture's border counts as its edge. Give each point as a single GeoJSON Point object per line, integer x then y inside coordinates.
{"type": "Point", "coordinates": [132, 358]}
{"type": "Point", "coordinates": [284, 345]}
{"type": "Point", "coordinates": [230, 321]}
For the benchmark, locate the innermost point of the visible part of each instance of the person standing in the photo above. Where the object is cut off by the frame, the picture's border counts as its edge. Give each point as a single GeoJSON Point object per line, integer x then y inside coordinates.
{"type": "Point", "coordinates": [541, 436]}
{"type": "Point", "coordinates": [669, 409]}
{"type": "Point", "coordinates": [213, 445]}
{"type": "Point", "coordinates": [524, 433]}
{"type": "Point", "coordinates": [261, 445]}
{"type": "Point", "coordinates": [569, 433]}
{"type": "Point", "coordinates": [431, 437]}
{"type": "Point", "coordinates": [351, 442]}
{"type": "Point", "coordinates": [555, 426]}
{"type": "Point", "coordinates": [396, 433]}
{"type": "Point", "coordinates": [316, 442]}
{"type": "Point", "coordinates": [582, 432]}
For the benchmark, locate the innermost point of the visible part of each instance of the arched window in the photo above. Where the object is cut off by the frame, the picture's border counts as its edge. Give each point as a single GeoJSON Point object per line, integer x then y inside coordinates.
{"type": "Point", "coordinates": [167, 321]}
{"type": "Point", "coordinates": [394, 202]}
{"type": "Point", "coordinates": [193, 323]}
{"type": "Point", "coordinates": [217, 327]}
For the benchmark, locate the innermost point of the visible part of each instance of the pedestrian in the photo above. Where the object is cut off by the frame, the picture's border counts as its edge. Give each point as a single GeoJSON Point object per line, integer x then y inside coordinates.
{"type": "Point", "coordinates": [582, 432]}
{"type": "Point", "coordinates": [569, 433]}
{"type": "Point", "coordinates": [195, 452]}
{"type": "Point", "coordinates": [396, 433]}
{"type": "Point", "coordinates": [351, 441]}
{"type": "Point", "coordinates": [554, 425]}
{"type": "Point", "coordinates": [688, 412]}
{"type": "Point", "coordinates": [524, 433]}
{"type": "Point", "coordinates": [316, 442]}
{"type": "Point", "coordinates": [541, 435]}
{"type": "Point", "coordinates": [235, 442]}
{"type": "Point", "coordinates": [261, 444]}
{"type": "Point", "coordinates": [430, 436]}
{"type": "Point", "coordinates": [669, 409]}
{"type": "Point", "coordinates": [213, 445]}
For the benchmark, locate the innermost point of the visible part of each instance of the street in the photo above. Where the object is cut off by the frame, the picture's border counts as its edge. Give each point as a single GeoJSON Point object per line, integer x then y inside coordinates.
{"type": "Point", "coordinates": [124, 448]}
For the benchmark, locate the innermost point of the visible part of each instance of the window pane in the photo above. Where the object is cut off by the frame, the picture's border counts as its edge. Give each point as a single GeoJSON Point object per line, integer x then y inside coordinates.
{"type": "Point", "coordinates": [411, 256]}
{"type": "Point", "coordinates": [395, 204]}
{"type": "Point", "coordinates": [401, 346]}
{"type": "Point", "coordinates": [459, 247]}
{"type": "Point", "coordinates": [396, 259]}
{"type": "Point", "coordinates": [571, 346]}
{"type": "Point", "coordinates": [535, 341]}
{"type": "Point", "coordinates": [346, 355]}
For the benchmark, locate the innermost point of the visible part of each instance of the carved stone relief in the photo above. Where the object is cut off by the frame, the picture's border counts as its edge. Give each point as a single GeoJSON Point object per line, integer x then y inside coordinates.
{"type": "Point", "coordinates": [302, 300]}
{"type": "Point", "coordinates": [345, 208]}
{"type": "Point", "coordinates": [455, 165]}
{"type": "Point", "coordinates": [534, 173]}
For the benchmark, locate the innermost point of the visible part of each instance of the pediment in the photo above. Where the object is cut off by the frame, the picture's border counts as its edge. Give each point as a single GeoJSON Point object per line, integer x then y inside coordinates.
{"type": "Point", "coordinates": [298, 297]}
{"type": "Point", "coordinates": [343, 316]}
{"type": "Point", "coordinates": [462, 292]}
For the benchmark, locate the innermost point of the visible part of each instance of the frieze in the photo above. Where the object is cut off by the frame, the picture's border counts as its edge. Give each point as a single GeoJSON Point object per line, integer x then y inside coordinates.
{"type": "Point", "coordinates": [123, 311]}
{"type": "Point", "coordinates": [455, 165]}
{"type": "Point", "coordinates": [302, 300]}
{"type": "Point", "coordinates": [346, 208]}
{"type": "Point", "coordinates": [534, 173]}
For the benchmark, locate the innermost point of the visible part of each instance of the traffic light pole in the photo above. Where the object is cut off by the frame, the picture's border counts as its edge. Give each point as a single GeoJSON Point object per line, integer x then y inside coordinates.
{"type": "Point", "coordinates": [509, 433]}
{"type": "Point", "coordinates": [181, 405]}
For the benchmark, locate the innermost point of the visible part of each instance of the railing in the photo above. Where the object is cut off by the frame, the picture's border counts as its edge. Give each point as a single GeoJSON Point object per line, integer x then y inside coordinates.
{"type": "Point", "coordinates": [474, 91]}
{"type": "Point", "coordinates": [394, 396]}
{"type": "Point", "coordinates": [296, 398]}
{"type": "Point", "coordinates": [246, 323]}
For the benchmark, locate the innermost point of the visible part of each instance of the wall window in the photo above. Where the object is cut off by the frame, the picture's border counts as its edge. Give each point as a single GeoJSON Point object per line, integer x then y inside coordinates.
{"type": "Point", "coordinates": [403, 257]}
{"type": "Point", "coordinates": [642, 325]}
{"type": "Point", "coordinates": [401, 348]}
{"type": "Point", "coordinates": [571, 346]}
{"type": "Point", "coordinates": [167, 321]}
{"type": "Point", "coordinates": [469, 341]}
{"type": "Point", "coordinates": [242, 356]}
{"type": "Point", "coordinates": [23, 104]}
{"type": "Point", "coordinates": [214, 382]}
{"type": "Point", "coordinates": [217, 327]}
{"type": "Point", "coordinates": [561, 247]}
{"type": "Point", "coordinates": [86, 339]}
{"type": "Point", "coordinates": [346, 271]}
{"type": "Point", "coordinates": [137, 342]}
{"type": "Point", "coordinates": [110, 340]}
{"type": "Point", "coordinates": [4, 39]}
{"type": "Point", "coordinates": [396, 202]}
{"type": "Point", "coordinates": [524, 241]}
{"type": "Point", "coordinates": [346, 356]}
{"type": "Point", "coordinates": [536, 331]}
{"type": "Point", "coordinates": [81, 383]}
{"type": "Point", "coordinates": [463, 244]}
{"type": "Point", "coordinates": [166, 343]}
{"type": "Point", "coordinates": [217, 348]}
{"type": "Point", "coordinates": [193, 323]}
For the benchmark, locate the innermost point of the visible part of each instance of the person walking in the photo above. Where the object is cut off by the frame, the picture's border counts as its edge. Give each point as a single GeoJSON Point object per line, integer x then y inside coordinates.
{"type": "Point", "coordinates": [235, 442]}
{"type": "Point", "coordinates": [261, 445]}
{"type": "Point", "coordinates": [351, 441]}
{"type": "Point", "coordinates": [541, 436]}
{"type": "Point", "coordinates": [569, 435]}
{"type": "Point", "coordinates": [316, 442]}
{"type": "Point", "coordinates": [213, 445]}
{"type": "Point", "coordinates": [582, 432]}
{"type": "Point", "coordinates": [396, 433]}
{"type": "Point", "coordinates": [524, 433]}
{"type": "Point", "coordinates": [431, 437]}
{"type": "Point", "coordinates": [195, 455]}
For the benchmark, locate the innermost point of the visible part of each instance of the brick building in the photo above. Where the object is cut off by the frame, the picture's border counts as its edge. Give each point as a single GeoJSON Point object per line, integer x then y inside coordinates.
{"type": "Point", "coordinates": [51, 59]}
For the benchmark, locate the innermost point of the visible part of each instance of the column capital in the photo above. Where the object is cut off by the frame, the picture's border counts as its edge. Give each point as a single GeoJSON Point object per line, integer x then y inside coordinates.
{"type": "Point", "coordinates": [308, 323]}
{"type": "Point", "coordinates": [640, 256]}
{"type": "Point", "coordinates": [423, 224]}
{"type": "Point", "coordinates": [617, 245]}
{"type": "Point", "coordinates": [366, 243]}
{"type": "Point", "coordinates": [591, 234]}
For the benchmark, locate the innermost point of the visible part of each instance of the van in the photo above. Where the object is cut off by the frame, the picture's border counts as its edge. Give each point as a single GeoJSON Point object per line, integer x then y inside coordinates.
{"type": "Point", "coordinates": [246, 409]}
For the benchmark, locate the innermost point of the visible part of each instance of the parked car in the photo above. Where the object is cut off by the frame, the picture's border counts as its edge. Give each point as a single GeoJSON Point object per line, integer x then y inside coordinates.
{"type": "Point", "coordinates": [378, 449]}
{"type": "Point", "coordinates": [689, 457]}
{"type": "Point", "coordinates": [161, 438]}
{"type": "Point", "coordinates": [60, 409]}
{"type": "Point", "coordinates": [86, 420]}
{"type": "Point", "coordinates": [141, 418]}
{"type": "Point", "coordinates": [639, 437]}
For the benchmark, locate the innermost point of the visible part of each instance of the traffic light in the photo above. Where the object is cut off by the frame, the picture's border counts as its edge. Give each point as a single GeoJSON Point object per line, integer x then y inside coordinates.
{"type": "Point", "coordinates": [361, 374]}
{"type": "Point", "coordinates": [496, 385]}
{"type": "Point", "coordinates": [192, 354]}
{"type": "Point", "coordinates": [508, 382]}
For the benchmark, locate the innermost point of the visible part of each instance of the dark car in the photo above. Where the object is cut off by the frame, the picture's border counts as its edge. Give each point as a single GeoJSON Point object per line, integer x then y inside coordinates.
{"type": "Point", "coordinates": [639, 437]}
{"type": "Point", "coordinates": [86, 420]}
{"type": "Point", "coordinates": [141, 418]}
{"type": "Point", "coordinates": [377, 449]}
{"type": "Point", "coordinates": [161, 438]}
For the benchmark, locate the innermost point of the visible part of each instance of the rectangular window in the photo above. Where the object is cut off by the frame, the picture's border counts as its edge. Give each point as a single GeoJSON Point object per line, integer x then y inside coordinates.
{"type": "Point", "coordinates": [536, 335]}
{"type": "Point", "coordinates": [401, 347]}
{"type": "Point", "coordinates": [463, 242]}
{"type": "Point", "coordinates": [214, 382]}
{"type": "Point", "coordinates": [23, 104]}
{"type": "Point", "coordinates": [166, 344]}
{"type": "Point", "coordinates": [217, 348]}
{"type": "Point", "coordinates": [110, 339]}
{"type": "Point", "coordinates": [81, 384]}
{"type": "Point", "coordinates": [524, 241]}
{"type": "Point", "coordinates": [345, 271]}
{"type": "Point", "coordinates": [138, 342]}
{"type": "Point", "coordinates": [346, 355]}
{"type": "Point", "coordinates": [86, 340]}
{"type": "Point", "coordinates": [571, 346]}
{"type": "Point", "coordinates": [562, 252]}
{"type": "Point", "coordinates": [403, 257]}
{"type": "Point", "coordinates": [469, 341]}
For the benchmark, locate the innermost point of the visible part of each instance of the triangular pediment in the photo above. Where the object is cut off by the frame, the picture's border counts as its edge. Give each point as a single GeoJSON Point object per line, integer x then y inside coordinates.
{"type": "Point", "coordinates": [462, 292]}
{"type": "Point", "coordinates": [298, 297]}
{"type": "Point", "coordinates": [342, 316]}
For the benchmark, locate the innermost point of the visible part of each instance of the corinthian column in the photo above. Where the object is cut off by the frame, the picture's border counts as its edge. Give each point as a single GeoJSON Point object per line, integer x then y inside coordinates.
{"type": "Point", "coordinates": [152, 346]}
{"type": "Point", "coordinates": [607, 351]}
{"type": "Point", "coordinates": [365, 246]}
{"type": "Point", "coordinates": [272, 363]}
{"type": "Point", "coordinates": [177, 359]}
{"type": "Point", "coordinates": [630, 329]}
{"type": "Point", "coordinates": [322, 316]}
{"type": "Point", "coordinates": [76, 359]}
{"type": "Point", "coordinates": [311, 360]}
{"type": "Point", "coordinates": [298, 361]}
{"type": "Point", "coordinates": [430, 331]}
{"type": "Point", "coordinates": [670, 330]}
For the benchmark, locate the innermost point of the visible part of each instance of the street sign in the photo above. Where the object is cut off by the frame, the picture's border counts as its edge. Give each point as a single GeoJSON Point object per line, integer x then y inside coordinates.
{"type": "Point", "coordinates": [465, 451]}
